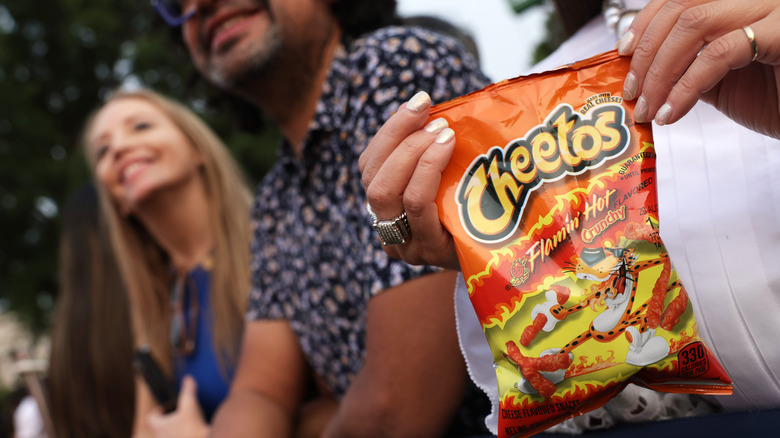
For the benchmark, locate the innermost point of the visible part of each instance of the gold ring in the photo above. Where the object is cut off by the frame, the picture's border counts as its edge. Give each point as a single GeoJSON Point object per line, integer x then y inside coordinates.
{"type": "Point", "coordinates": [752, 38]}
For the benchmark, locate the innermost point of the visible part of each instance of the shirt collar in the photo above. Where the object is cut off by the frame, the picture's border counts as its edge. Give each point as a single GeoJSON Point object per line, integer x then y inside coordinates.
{"type": "Point", "coordinates": [331, 105]}
{"type": "Point", "coordinates": [333, 99]}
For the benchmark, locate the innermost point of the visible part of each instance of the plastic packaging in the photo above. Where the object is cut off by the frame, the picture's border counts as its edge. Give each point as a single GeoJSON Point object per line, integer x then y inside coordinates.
{"type": "Point", "coordinates": [551, 198]}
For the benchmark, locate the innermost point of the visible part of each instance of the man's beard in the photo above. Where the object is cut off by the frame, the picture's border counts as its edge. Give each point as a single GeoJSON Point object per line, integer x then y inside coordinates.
{"type": "Point", "coordinates": [283, 68]}
{"type": "Point", "coordinates": [256, 68]}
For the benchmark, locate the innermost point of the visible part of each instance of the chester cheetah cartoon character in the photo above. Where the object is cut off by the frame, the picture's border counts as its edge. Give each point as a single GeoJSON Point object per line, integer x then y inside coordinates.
{"type": "Point", "coordinates": [616, 272]}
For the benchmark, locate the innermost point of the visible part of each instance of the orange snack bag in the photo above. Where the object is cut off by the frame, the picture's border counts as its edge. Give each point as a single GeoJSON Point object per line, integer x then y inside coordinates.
{"type": "Point", "coordinates": [551, 198]}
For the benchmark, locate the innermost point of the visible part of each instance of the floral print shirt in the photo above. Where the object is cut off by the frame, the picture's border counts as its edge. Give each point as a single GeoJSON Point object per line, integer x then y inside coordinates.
{"type": "Point", "coordinates": [316, 259]}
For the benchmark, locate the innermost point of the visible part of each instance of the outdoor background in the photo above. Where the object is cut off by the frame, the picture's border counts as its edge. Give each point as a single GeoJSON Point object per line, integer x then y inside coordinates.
{"type": "Point", "coordinates": [59, 58]}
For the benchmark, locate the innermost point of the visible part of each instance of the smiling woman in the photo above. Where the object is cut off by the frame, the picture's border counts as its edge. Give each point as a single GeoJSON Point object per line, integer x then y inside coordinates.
{"type": "Point", "coordinates": [138, 152]}
{"type": "Point", "coordinates": [177, 212]}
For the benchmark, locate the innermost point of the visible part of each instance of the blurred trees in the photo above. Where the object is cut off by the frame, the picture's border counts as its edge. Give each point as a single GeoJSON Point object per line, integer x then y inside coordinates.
{"type": "Point", "coordinates": [521, 5]}
{"type": "Point", "coordinates": [58, 59]}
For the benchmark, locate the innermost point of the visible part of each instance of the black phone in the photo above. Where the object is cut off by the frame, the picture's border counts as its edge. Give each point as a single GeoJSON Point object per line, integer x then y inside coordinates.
{"type": "Point", "coordinates": [163, 389]}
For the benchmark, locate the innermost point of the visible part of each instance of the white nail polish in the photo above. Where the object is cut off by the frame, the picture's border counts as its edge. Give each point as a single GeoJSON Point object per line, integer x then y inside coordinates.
{"type": "Point", "coordinates": [629, 86]}
{"type": "Point", "coordinates": [640, 110]}
{"type": "Point", "coordinates": [625, 43]}
{"type": "Point", "coordinates": [436, 125]}
{"type": "Point", "coordinates": [444, 136]}
{"type": "Point", "coordinates": [419, 102]}
{"type": "Point", "coordinates": [662, 117]}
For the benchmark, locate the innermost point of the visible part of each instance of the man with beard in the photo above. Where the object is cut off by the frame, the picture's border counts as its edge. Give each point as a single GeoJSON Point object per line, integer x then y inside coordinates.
{"type": "Point", "coordinates": [378, 334]}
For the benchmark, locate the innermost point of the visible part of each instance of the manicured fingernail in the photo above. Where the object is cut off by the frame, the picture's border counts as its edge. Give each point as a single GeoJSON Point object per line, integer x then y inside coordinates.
{"type": "Point", "coordinates": [436, 125]}
{"type": "Point", "coordinates": [419, 102]}
{"type": "Point", "coordinates": [640, 111]}
{"type": "Point", "coordinates": [629, 86]}
{"type": "Point", "coordinates": [662, 117]}
{"type": "Point", "coordinates": [445, 136]}
{"type": "Point", "coordinates": [625, 43]}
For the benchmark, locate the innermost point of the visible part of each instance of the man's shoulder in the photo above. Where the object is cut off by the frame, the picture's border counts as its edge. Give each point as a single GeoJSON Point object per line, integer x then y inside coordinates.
{"type": "Point", "coordinates": [400, 31]}
{"type": "Point", "coordinates": [394, 38]}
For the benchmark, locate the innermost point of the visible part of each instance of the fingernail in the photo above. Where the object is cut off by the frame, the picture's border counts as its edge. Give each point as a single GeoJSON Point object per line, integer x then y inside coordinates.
{"type": "Point", "coordinates": [625, 43]}
{"type": "Point", "coordinates": [436, 125]}
{"type": "Point", "coordinates": [640, 111]}
{"type": "Point", "coordinates": [662, 117]}
{"type": "Point", "coordinates": [445, 136]}
{"type": "Point", "coordinates": [629, 86]}
{"type": "Point", "coordinates": [419, 102]}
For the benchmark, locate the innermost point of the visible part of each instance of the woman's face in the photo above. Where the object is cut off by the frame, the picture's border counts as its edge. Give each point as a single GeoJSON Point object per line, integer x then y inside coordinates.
{"type": "Point", "coordinates": [138, 151]}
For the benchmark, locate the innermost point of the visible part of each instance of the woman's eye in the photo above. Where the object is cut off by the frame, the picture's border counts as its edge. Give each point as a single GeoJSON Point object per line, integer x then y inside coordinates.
{"type": "Point", "coordinates": [101, 152]}
{"type": "Point", "coordinates": [140, 126]}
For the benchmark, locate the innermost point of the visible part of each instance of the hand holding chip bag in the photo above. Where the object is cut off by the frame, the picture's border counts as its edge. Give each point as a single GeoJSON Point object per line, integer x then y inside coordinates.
{"type": "Point", "coordinates": [401, 169]}
{"type": "Point", "coordinates": [550, 196]}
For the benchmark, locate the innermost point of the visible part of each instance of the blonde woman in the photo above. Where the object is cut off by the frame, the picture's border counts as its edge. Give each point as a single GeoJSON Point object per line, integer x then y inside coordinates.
{"type": "Point", "coordinates": [177, 212]}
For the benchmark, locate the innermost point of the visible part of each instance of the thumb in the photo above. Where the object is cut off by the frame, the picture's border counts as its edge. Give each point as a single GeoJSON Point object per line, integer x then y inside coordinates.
{"type": "Point", "coordinates": [155, 418]}
{"type": "Point", "coordinates": [188, 395]}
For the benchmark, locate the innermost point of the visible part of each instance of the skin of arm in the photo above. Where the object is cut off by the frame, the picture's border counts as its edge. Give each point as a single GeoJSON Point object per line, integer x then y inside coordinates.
{"type": "Point", "coordinates": [315, 416]}
{"type": "Point", "coordinates": [268, 387]}
{"type": "Point", "coordinates": [413, 377]}
{"type": "Point", "coordinates": [144, 405]}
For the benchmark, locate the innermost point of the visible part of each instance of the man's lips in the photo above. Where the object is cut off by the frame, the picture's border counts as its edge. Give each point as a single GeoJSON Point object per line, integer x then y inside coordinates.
{"type": "Point", "coordinates": [227, 26]}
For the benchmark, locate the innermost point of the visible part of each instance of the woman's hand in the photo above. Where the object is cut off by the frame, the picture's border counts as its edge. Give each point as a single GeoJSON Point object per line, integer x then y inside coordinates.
{"type": "Point", "coordinates": [186, 421]}
{"type": "Point", "coordinates": [402, 168]}
{"type": "Point", "coordinates": [687, 50]}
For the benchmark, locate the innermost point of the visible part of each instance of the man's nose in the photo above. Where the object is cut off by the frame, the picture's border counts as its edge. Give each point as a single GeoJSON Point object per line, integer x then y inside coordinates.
{"type": "Point", "coordinates": [197, 5]}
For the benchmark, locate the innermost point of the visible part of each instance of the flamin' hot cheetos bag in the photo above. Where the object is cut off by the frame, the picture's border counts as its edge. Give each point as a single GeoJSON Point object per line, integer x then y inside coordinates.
{"type": "Point", "coordinates": [551, 198]}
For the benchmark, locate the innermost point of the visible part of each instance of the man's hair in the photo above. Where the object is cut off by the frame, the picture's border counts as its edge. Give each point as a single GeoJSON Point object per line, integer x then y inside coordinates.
{"type": "Point", "coordinates": [357, 17]}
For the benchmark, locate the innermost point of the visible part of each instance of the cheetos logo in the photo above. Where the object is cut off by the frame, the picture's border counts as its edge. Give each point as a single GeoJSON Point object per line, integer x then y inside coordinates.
{"type": "Point", "coordinates": [492, 195]}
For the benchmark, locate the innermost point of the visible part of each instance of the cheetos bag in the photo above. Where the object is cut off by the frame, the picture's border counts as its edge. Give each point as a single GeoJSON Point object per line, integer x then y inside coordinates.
{"type": "Point", "coordinates": [551, 198]}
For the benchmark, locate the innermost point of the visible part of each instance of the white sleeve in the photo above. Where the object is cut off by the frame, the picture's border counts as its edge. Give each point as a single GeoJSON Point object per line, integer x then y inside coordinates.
{"type": "Point", "coordinates": [27, 419]}
{"type": "Point", "coordinates": [476, 351]}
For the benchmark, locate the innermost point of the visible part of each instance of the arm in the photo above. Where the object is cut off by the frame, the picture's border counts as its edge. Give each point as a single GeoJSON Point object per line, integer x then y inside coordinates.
{"type": "Point", "coordinates": [413, 377]}
{"type": "Point", "coordinates": [401, 171]}
{"type": "Point", "coordinates": [144, 405]}
{"type": "Point", "coordinates": [267, 390]}
{"type": "Point", "coordinates": [683, 51]}
{"type": "Point", "coordinates": [315, 416]}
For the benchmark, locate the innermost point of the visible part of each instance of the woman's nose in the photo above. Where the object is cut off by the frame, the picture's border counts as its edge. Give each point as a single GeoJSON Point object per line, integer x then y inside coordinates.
{"type": "Point", "coordinates": [122, 144]}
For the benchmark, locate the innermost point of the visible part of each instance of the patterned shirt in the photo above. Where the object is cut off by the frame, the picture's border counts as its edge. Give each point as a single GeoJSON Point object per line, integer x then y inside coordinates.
{"type": "Point", "coordinates": [316, 259]}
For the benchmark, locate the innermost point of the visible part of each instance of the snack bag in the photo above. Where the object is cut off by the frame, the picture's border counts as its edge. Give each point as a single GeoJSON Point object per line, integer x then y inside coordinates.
{"type": "Point", "coordinates": [551, 198]}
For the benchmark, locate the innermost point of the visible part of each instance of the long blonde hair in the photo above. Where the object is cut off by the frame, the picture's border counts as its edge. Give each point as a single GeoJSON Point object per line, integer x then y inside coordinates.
{"type": "Point", "coordinates": [144, 265]}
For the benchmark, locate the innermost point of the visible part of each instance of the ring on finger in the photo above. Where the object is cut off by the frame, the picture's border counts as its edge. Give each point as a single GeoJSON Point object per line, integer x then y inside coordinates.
{"type": "Point", "coordinates": [752, 39]}
{"type": "Point", "coordinates": [395, 231]}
